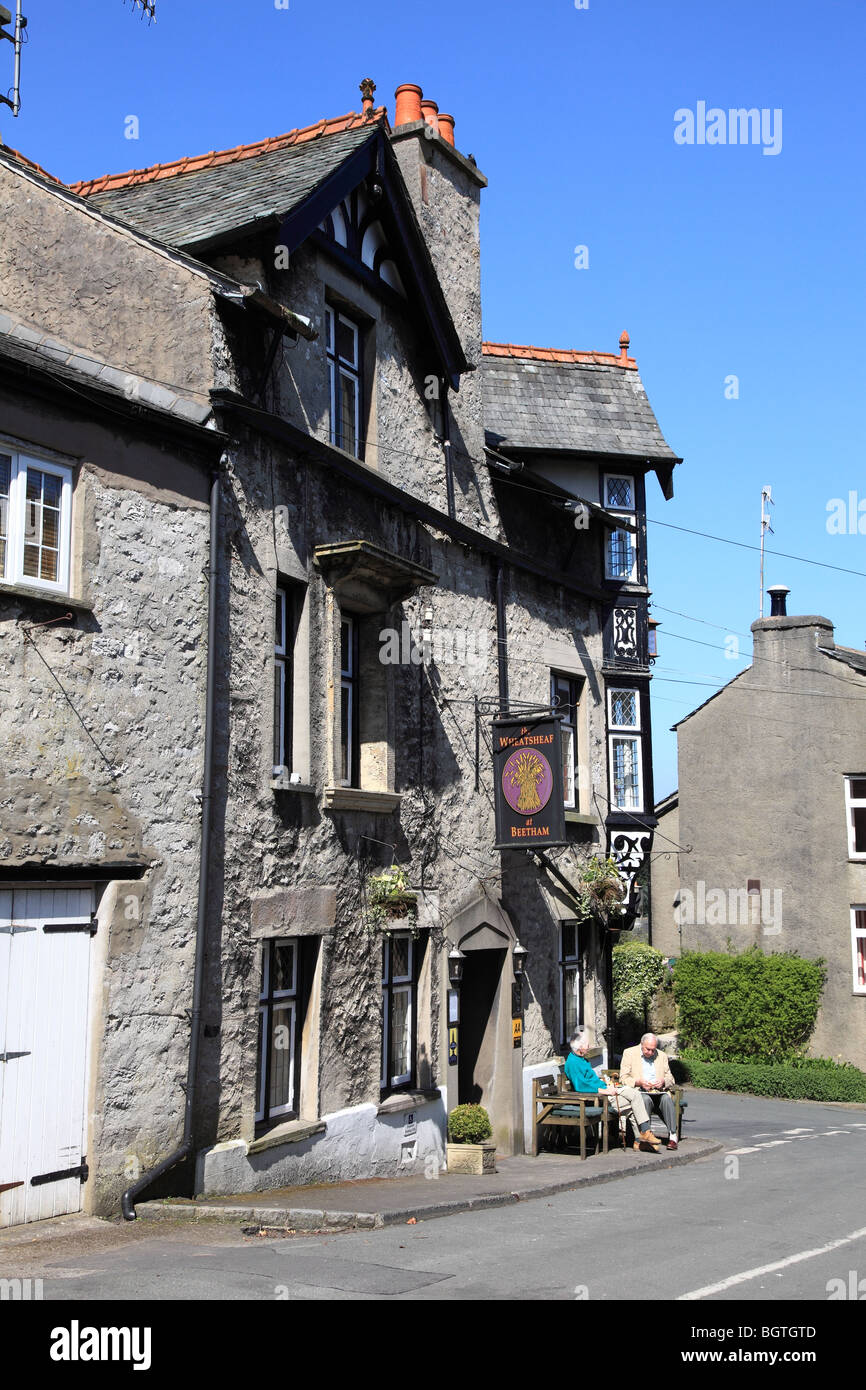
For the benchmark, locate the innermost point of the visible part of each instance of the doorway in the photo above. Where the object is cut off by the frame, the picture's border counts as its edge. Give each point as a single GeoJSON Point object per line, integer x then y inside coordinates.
{"type": "Point", "coordinates": [482, 973]}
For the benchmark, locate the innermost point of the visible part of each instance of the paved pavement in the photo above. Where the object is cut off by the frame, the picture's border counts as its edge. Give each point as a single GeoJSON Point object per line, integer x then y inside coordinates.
{"type": "Point", "coordinates": [776, 1213]}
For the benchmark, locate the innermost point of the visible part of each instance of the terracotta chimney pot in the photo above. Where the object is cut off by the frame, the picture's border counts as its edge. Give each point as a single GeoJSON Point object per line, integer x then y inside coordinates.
{"type": "Point", "coordinates": [624, 341]}
{"type": "Point", "coordinates": [446, 127]}
{"type": "Point", "coordinates": [430, 112]}
{"type": "Point", "coordinates": [408, 104]}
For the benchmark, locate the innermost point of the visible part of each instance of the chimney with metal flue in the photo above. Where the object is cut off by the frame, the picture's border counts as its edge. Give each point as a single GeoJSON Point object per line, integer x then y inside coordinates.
{"type": "Point", "coordinates": [778, 600]}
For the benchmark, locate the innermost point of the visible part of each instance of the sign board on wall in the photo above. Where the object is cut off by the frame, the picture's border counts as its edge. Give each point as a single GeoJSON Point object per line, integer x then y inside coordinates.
{"type": "Point", "coordinates": [527, 783]}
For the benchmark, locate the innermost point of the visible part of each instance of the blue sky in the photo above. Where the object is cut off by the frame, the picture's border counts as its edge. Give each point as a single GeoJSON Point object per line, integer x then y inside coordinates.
{"type": "Point", "coordinates": [719, 260]}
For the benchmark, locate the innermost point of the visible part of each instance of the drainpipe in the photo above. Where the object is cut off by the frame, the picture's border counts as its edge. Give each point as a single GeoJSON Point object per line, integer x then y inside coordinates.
{"type": "Point", "coordinates": [133, 1193]}
{"type": "Point", "coordinates": [446, 445]}
{"type": "Point", "coordinates": [501, 639]}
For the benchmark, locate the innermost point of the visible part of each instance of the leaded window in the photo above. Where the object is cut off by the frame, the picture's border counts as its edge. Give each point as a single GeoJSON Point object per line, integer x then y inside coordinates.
{"type": "Point", "coordinates": [621, 546]}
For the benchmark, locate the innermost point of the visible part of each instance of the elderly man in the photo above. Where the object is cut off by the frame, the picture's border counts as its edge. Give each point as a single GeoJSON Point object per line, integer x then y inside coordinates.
{"type": "Point", "coordinates": [649, 1071]}
{"type": "Point", "coordinates": [627, 1101]}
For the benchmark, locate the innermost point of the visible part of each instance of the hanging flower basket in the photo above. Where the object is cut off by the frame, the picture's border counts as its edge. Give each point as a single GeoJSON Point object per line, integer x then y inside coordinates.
{"type": "Point", "coordinates": [390, 901]}
{"type": "Point", "coordinates": [602, 892]}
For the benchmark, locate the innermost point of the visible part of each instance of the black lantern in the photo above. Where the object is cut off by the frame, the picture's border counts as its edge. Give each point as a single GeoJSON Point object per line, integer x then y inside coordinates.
{"type": "Point", "coordinates": [518, 958]}
{"type": "Point", "coordinates": [455, 965]}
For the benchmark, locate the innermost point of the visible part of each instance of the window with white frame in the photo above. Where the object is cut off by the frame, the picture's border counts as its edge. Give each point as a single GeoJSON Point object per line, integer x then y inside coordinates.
{"type": "Point", "coordinates": [621, 545]}
{"type": "Point", "coordinates": [565, 692]}
{"type": "Point", "coordinates": [858, 949]}
{"type": "Point", "coordinates": [276, 1063]}
{"type": "Point", "coordinates": [570, 981]}
{"type": "Point", "coordinates": [35, 522]}
{"type": "Point", "coordinates": [399, 964]}
{"type": "Point", "coordinates": [855, 812]}
{"type": "Point", "coordinates": [343, 349]}
{"type": "Point", "coordinates": [623, 717]}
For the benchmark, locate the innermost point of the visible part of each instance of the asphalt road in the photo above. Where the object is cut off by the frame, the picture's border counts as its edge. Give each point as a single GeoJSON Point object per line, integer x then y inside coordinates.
{"type": "Point", "coordinates": [785, 1198]}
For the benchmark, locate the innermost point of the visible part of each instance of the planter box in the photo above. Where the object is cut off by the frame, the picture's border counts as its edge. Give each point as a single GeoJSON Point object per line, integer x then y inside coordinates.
{"type": "Point", "coordinates": [475, 1159]}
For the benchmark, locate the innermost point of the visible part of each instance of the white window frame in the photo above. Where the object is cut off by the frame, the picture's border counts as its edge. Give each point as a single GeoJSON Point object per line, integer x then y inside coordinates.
{"type": "Point", "coordinates": [623, 690]}
{"type": "Point", "coordinates": [13, 569]}
{"type": "Point", "coordinates": [852, 802]}
{"type": "Point", "coordinates": [621, 737]}
{"type": "Point", "coordinates": [630, 537]}
{"type": "Point", "coordinates": [338, 365]}
{"type": "Point", "coordinates": [858, 932]}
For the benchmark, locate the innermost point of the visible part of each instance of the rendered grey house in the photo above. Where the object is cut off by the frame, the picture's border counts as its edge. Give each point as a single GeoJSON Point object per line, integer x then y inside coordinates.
{"type": "Point", "coordinates": [771, 805]}
{"type": "Point", "coordinates": [396, 533]}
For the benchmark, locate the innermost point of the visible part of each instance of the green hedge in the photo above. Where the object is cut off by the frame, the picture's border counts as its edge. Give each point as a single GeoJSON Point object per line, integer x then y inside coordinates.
{"type": "Point", "coordinates": [807, 1079]}
{"type": "Point", "coordinates": [638, 970]}
{"type": "Point", "coordinates": [747, 1007]}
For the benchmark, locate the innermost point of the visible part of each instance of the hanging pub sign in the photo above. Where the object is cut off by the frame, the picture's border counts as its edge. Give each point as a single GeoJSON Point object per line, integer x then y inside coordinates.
{"type": "Point", "coordinates": [527, 783]}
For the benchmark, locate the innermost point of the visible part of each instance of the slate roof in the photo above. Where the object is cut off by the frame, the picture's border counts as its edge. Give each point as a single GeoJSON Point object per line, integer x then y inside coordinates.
{"type": "Point", "coordinates": [196, 198]}
{"type": "Point", "coordinates": [552, 400]}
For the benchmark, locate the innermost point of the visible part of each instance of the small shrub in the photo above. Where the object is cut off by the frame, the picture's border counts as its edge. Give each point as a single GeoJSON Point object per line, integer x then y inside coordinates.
{"type": "Point", "coordinates": [804, 1078]}
{"type": "Point", "coordinates": [469, 1124]}
{"type": "Point", "coordinates": [747, 1007]}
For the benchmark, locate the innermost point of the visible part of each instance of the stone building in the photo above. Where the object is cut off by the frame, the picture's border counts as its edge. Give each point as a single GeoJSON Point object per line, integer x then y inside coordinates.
{"type": "Point", "coordinates": [771, 812]}
{"type": "Point", "coordinates": [375, 533]}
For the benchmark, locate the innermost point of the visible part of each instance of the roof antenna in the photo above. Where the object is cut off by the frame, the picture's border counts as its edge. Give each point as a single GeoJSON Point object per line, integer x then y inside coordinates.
{"type": "Point", "coordinates": [766, 500]}
{"type": "Point", "coordinates": [16, 38]}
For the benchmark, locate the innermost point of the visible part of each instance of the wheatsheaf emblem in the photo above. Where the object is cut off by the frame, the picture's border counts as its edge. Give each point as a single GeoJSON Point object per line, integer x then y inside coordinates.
{"type": "Point", "coordinates": [527, 781]}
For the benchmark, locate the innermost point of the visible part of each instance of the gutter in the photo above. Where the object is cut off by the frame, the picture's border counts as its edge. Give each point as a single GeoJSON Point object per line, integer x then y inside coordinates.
{"type": "Point", "coordinates": [133, 1193]}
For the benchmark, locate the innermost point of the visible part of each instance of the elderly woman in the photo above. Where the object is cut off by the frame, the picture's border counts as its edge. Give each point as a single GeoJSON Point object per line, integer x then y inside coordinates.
{"type": "Point", "coordinates": [627, 1100]}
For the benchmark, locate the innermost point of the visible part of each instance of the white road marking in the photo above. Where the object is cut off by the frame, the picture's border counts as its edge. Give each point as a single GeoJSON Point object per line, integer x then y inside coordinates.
{"type": "Point", "coordinates": [753, 1150]}
{"type": "Point", "coordinates": [748, 1274]}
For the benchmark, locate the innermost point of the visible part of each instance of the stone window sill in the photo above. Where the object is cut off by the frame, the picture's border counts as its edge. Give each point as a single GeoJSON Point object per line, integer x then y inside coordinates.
{"type": "Point", "coordinates": [355, 799]}
{"type": "Point", "coordinates": [292, 1132]}
{"type": "Point", "coordinates": [406, 1100]}
{"type": "Point", "coordinates": [282, 783]}
{"type": "Point", "coordinates": [578, 818]}
{"type": "Point", "coordinates": [33, 594]}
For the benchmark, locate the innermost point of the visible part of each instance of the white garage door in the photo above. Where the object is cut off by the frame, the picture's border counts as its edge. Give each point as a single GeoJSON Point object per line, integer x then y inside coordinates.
{"type": "Point", "coordinates": [45, 949]}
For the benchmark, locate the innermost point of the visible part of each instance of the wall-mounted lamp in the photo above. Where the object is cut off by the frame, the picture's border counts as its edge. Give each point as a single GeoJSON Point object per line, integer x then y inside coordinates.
{"type": "Point", "coordinates": [518, 958]}
{"type": "Point", "coordinates": [455, 965]}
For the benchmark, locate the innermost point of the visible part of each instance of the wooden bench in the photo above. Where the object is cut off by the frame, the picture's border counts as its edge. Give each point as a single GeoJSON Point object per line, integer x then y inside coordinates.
{"type": "Point", "coordinates": [555, 1104]}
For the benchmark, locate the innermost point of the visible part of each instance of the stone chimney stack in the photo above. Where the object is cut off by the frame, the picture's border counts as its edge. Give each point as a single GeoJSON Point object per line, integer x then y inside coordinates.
{"type": "Point", "coordinates": [790, 638]}
{"type": "Point", "coordinates": [445, 187]}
